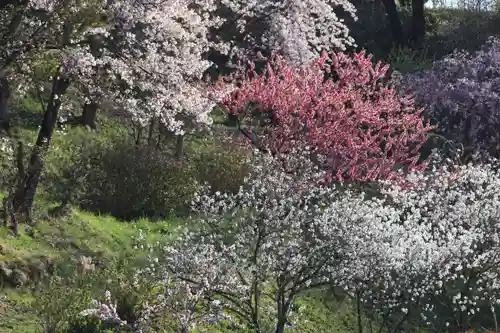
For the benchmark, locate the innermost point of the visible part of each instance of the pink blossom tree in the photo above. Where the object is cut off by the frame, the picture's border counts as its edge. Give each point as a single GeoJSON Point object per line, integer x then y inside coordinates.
{"type": "Point", "coordinates": [342, 106]}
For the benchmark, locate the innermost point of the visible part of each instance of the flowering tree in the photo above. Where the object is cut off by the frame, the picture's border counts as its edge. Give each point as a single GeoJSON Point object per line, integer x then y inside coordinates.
{"type": "Point", "coordinates": [426, 252]}
{"type": "Point", "coordinates": [354, 118]}
{"type": "Point", "coordinates": [461, 91]}
{"type": "Point", "coordinates": [42, 32]}
{"type": "Point", "coordinates": [24, 31]}
{"type": "Point", "coordinates": [149, 65]}
{"type": "Point", "coordinates": [298, 30]}
{"type": "Point", "coordinates": [256, 250]}
{"type": "Point", "coordinates": [451, 221]}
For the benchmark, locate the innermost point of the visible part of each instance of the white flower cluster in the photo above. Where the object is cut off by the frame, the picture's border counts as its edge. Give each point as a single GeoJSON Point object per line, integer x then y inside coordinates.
{"type": "Point", "coordinates": [405, 247]}
{"type": "Point", "coordinates": [104, 311]}
{"type": "Point", "coordinates": [299, 29]}
{"type": "Point", "coordinates": [6, 147]}
{"type": "Point", "coordinates": [158, 52]}
{"type": "Point", "coordinates": [441, 242]}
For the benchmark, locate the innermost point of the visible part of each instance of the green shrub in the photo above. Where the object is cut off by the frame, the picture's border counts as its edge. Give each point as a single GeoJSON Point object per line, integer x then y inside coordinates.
{"type": "Point", "coordinates": [404, 59]}
{"type": "Point", "coordinates": [105, 172]}
{"type": "Point", "coordinates": [129, 182]}
{"type": "Point", "coordinates": [70, 160]}
{"type": "Point", "coordinates": [220, 164]}
{"type": "Point", "coordinates": [61, 297]}
{"type": "Point", "coordinates": [90, 325]}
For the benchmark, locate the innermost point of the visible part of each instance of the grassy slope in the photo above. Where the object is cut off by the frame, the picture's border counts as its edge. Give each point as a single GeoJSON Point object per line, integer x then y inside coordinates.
{"type": "Point", "coordinates": [105, 238]}
{"type": "Point", "coordinates": [100, 237]}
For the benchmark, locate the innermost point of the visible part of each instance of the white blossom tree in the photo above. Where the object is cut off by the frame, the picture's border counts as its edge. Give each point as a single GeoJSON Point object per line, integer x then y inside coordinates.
{"type": "Point", "coordinates": [444, 262]}
{"type": "Point", "coordinates": [151, 70]}
{"type": "Point", "coordinates": [298, 30]}
{"type": "Point", "coordinates": [425, 249]}
{"type": "Point", "coordinates": [260, 248]}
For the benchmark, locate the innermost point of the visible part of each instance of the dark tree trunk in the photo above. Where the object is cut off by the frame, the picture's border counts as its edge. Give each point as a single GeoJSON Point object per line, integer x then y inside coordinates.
{"type": "Point", "coordinates": [4, 105]}
{"type": "Point", "coordinates": [150, 132]}
{"type": "Point", "coordinates": [280, 326]}
{"type": "Point", "coordinates": [282, 307]}
{"type": "Point", "coordinates": [394, 22]}
{"type": "Point", "coordinates": [138, 137]}
{"type": "Point", "coordinates": [179, 147]}
{"type": "Point", "coordinates": [87, 118]}
{"type": "Point", "coordinates": [88, 115]}
{"type": "Point", "coordinates": [358, 308]}
{"type": "Point", "coordinates": [417, 23]}
{"type": "Point", "coordinates": [26, 189]}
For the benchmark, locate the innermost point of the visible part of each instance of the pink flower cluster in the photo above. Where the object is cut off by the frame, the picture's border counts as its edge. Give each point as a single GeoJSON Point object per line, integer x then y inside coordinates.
{"type": "Point", "coordinates": [342, 106]}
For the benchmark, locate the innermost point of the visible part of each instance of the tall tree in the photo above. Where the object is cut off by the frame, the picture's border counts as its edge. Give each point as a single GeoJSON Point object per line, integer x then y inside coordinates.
{"type": "Point", "coordinates": [395, 24]}
{"type": "Point", "coordinates": [417, 33]}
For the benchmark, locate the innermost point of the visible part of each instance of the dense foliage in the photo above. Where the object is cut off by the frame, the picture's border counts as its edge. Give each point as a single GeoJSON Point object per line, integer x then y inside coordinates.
{"type": "Point", "coordinates": [354, 119]}
{"type": "Point", "coordinates": [460, 92]}
{"type": "Point", "coordinates": [299, 173]}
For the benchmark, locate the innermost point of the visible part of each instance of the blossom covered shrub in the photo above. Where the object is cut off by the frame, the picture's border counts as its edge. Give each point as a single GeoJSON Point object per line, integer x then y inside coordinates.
{"type": "Point", "coordinates": [425, 253]}
{"type": "Point", "coordinates": [341, 105]}
{"type": "Point", "coordinates": [462, 93]}
{"type": "Point", "coordinates": [256, 250]}
{"type": "Point", "coordinates": [442, 248]}
{"type": "Point", "coordinates": [105, 315]}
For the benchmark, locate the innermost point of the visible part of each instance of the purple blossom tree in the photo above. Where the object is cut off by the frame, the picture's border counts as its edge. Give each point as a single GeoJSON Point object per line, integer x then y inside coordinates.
{"type": "Point", "coordinates": [462, 93]}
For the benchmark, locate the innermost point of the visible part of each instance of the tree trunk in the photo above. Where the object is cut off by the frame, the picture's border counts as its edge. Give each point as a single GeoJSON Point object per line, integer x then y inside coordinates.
{"type": "Point", "coordinates": [88, 115]}
{"type": "Point", "coordinates": [280, 326]}
{"type": "Point", "coordinates": [4, 104]}
{"type": "Point", "coordinates": [150, 132]}
{"type": "Point", "coordinates": [26, 189]}
{"type": "Point", "coordinates": [87, 118]}
{"type": "Point", "coordinates": [394, 22]}
{"type": "Point", "coordinates": [179, 147]}
{"type": "Point", "coordinates": [417, 23]}
{"type": "Point", "coordinates": [138, 137]}
{"type": "Point", "coordinates": [358, 308]}
{"type": "Point", "coordinates": [282, 309]}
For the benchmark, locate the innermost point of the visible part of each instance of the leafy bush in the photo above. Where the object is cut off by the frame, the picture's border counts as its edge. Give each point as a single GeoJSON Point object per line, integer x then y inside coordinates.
{"type": "Point", "coordinates": [71, 157]}
{"type": "Point", "coordinates": [90, 325]}
{"type": "Point", "coordinates": [404, 59]}
{"type": "Point", "coordinates": [129, 182]}
{"type": "Point", "coordinates": [462, 93]}
{"type": "Point", "coordinates": [221, 164]}
{"type": "Point", "coordinates": [66, 302]}
{"type": "Point", "coordinates": [60, 297]}
{"type": "Point", "coordinates": [105, 172]}
{"type": "Point", "coordinates": [460, 29]}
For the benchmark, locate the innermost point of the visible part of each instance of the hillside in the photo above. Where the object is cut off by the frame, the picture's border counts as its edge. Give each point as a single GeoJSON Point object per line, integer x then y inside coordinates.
{"type": "Point", "coordinates": [25, 260]}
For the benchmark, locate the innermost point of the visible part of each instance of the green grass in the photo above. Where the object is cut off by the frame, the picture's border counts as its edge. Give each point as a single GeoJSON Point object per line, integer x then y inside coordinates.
{"type": "Point", "coordinates": [104, 238]}
{"type": "Point", "coordinates": [81, 233]}
{"type": "Point", "coordinates": [15, 313]}
{"type": "Point", "coordinates": [55, 240]}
